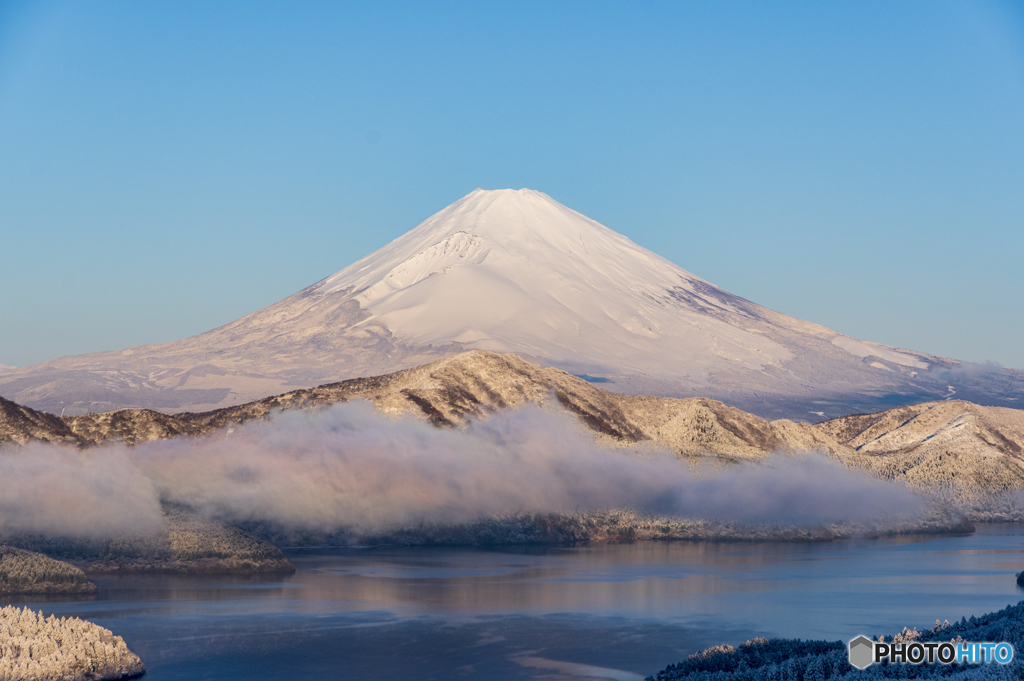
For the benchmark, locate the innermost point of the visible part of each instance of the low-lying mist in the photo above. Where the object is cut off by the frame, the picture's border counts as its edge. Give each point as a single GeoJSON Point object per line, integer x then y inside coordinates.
{"type": "Point", "coordinates": [350, 467]}
{"type": "Point", "coordinates": [55, 490]}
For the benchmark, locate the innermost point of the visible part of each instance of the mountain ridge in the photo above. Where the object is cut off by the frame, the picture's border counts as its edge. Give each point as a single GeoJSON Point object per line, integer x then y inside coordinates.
{"type": "Point", "coordinates": [972, 456]}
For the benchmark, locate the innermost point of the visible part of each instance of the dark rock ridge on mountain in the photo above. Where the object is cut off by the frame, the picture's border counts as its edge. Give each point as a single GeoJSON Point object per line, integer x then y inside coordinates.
{"type": "Point", "coordinates": [968, 454]}
{"type": "Point", "coordinates": [515, 271]}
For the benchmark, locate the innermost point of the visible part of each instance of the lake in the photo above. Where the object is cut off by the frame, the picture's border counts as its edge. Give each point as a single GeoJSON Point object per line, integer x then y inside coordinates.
{"type": "Point", "coordinates": [607, 612]}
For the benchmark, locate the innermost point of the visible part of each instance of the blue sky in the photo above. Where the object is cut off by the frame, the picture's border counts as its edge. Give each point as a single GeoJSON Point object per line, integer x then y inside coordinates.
{"type": "Point", "coordinates": [167, 167]}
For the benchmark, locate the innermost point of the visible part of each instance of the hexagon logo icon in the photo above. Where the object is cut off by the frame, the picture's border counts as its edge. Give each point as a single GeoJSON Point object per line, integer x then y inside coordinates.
{"type": "Point", "coordinates": [862, 652]}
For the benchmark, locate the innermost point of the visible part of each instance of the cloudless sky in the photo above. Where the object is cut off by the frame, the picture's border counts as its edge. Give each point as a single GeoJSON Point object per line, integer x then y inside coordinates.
{"type": "Point", "coordinates": [167, 167]}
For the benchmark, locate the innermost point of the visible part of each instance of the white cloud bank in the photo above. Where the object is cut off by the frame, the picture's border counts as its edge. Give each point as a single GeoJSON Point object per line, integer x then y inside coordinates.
{"type": "Point", "coordinates": [348, 466]}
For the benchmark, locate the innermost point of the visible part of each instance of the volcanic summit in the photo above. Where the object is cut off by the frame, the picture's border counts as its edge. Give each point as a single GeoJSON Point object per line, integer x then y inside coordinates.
{"type": "Point", "coordinates": [515, 271]}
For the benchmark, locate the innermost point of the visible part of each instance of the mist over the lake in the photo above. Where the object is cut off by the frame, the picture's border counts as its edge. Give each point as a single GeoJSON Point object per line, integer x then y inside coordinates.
{"type": "Point", "coordinates": [351, 467]}
{"type": "Point", "coordinates": [57, 490]}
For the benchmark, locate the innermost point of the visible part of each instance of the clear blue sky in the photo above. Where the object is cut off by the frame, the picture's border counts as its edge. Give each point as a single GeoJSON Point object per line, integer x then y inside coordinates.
{"type": "Point", "coordinates": [166, 167]}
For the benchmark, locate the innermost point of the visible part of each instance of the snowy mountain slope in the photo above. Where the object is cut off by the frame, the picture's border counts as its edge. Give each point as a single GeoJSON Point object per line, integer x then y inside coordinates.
{"type": "Point", "coordinates": [514, 271]}
{"type": "Point", "coordinates": [517, 271]}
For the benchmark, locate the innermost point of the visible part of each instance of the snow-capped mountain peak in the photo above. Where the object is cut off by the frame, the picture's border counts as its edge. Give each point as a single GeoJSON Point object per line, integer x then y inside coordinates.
{"type": "Point", "coordinates": [523, 223]}
{"type": "Point", "coordinates": [509, 271]}
{"type": "Point", "coordinates": [514, 270]}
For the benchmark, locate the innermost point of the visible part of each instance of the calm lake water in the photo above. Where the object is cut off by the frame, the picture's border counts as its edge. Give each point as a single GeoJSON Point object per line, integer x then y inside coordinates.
{"type": "Point", "coordinates": [619, 612]}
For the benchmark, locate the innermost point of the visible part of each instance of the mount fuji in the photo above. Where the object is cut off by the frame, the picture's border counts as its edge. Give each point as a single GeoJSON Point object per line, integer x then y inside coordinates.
{"type": "Point", "coordinates": [516, 271]}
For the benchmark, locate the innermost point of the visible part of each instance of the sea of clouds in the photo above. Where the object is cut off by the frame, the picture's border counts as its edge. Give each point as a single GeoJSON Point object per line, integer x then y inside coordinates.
{"type": "Point", "coordinates": [350, 467]}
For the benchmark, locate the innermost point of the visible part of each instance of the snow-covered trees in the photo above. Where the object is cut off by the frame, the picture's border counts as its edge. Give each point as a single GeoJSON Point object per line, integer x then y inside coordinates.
{"type": "Point", "coordinates": [189, 544]}
{"type": "Point", "coordinates": [30, 572]}
{"type": "Point", "coordinates": [796, 660]}
{"type": "Point", "coordinates": [34, 648]}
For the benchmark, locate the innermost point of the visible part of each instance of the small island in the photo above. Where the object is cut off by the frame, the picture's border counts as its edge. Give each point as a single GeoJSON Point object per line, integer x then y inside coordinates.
{"type": "Point", "coordinates": [38, 648]}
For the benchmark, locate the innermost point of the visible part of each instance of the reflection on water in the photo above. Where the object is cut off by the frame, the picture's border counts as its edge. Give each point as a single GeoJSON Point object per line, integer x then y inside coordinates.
{"type": "Point", "coordinates": [573, 669]}
{"type": "Point", "coordinates": [613, 611]}
{"type": "Point", "coordinates": [648, 579]}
